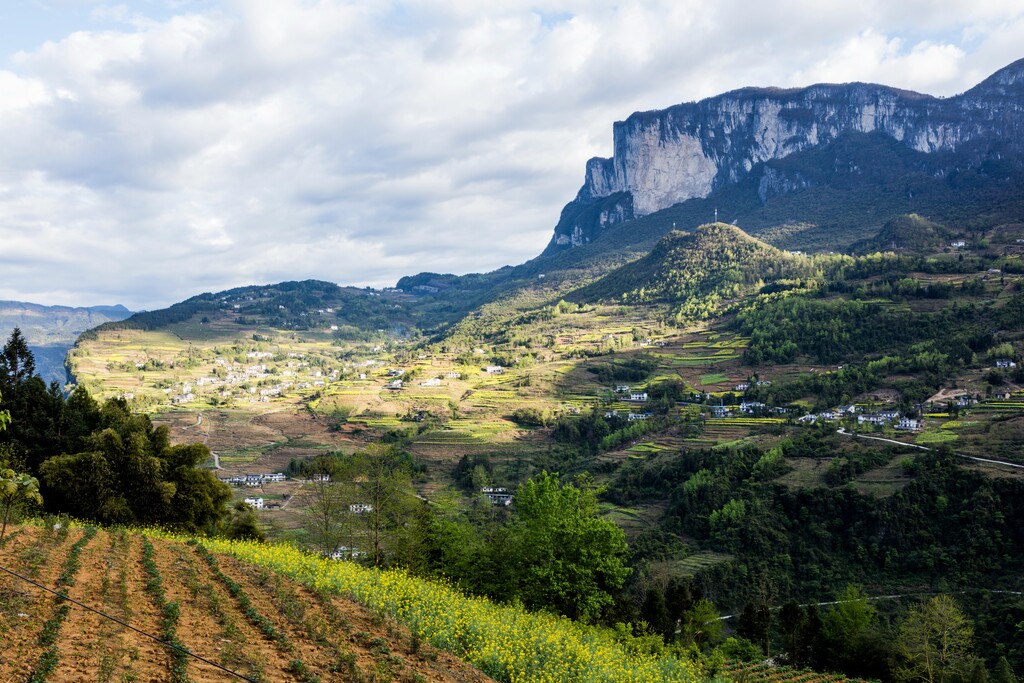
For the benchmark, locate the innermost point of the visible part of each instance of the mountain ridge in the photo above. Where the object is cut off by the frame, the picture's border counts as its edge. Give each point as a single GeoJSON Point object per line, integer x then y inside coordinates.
{"type": "Point", "coordinates": [664, 157]}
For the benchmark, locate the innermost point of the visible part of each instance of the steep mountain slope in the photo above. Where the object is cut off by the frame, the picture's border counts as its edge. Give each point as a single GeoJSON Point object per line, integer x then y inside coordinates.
{"type": "Point", "coordinates": [662, 158]}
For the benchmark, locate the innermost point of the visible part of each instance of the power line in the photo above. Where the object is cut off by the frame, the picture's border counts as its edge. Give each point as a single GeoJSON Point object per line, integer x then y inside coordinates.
{"type": "Point", "coordinates": [128, 626]}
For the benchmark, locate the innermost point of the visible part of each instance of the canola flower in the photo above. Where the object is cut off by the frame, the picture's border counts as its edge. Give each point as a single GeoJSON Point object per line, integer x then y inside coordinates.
{"type": "Point", "coordinates": [507, 643]}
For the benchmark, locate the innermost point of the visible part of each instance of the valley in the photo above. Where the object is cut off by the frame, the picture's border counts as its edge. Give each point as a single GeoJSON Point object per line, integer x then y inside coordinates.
{"type": "Point", "coordinates": [677, 447]}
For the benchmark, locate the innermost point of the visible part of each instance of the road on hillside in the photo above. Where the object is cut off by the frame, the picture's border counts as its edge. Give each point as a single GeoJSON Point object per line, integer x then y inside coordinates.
{"type": "Point", "coordinates": [842, 430]}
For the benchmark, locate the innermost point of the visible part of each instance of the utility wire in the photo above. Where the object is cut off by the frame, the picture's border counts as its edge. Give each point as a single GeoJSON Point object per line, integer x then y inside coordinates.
{"type": "Point", "coordinates": [128, 626]}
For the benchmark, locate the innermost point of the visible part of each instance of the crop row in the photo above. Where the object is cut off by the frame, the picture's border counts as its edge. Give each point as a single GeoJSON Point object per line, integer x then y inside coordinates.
{"type": "Point", "coordinates": [169, 614]}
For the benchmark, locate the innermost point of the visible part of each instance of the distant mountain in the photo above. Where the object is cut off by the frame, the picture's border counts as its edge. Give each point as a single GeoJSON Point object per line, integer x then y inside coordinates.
{"type": "Point", "coordinates": [52, 330]}
{"type": "Point", "coordinates": [694, 150]}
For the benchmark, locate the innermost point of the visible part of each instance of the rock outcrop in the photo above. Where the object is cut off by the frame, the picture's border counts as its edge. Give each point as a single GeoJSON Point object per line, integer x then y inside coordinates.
{"type": "Point", "coordinates": [687, 151]}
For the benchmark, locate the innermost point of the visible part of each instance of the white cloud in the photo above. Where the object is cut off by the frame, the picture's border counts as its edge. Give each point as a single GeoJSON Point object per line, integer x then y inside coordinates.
{"type": "Point", "coordinates": [152, 155]}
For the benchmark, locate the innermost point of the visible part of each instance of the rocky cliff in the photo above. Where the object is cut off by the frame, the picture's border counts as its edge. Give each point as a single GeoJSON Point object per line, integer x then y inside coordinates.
{"type": "Point", "coordinates": [662, 158]}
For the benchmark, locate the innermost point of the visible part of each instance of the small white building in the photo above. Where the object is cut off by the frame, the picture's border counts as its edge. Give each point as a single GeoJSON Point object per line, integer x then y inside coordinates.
{"type": "Point", "coordinates": [907, 423]}
{"type": "Point", "coordinates": [432, 382]}
{"type": "Point", "coordinates": [497, 495]}
{"type": "Point", "coordinates": [256, 503]}
{"type": "Point", "coordinates": [1005, 363]}
{"type": "Point", "coordinates": [360, 508]}
{"type": "Point", "coordinates": [638, 396]}
{"type": "Point", "coordinates": [494, 370]}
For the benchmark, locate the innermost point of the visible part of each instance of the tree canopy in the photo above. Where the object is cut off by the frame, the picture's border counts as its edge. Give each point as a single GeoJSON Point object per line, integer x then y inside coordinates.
{"type": "Point", "coordinates": [571, 560]}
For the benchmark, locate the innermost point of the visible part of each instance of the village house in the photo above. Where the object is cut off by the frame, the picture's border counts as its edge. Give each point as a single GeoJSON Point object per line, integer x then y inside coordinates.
{"type": "Point", "coordinates": [638, 396]}
{"type": "Point", "coordinates": [907, 423]}
{"type": "Point", "coordinates": [622, 388]}
{"type": "Point", "coordinates": [751, 407]}
{"type": "Point", "coordinates": [742, 386]}
{"type": "Point", "coordinates": [634, 417]}
{"type": "Point", "coordinates": [451, 374]}
{"type": "Point", "coordinates": [720, 411]}
{"type": "Point", "coordinates": [432, 382]}
{"type": "Point", "coordinates": [256, 503]}
{"type": "Point", "coordinates": [343, 552]}
{"type": "Point", "coordinates": [395, 385]}
{"type": "Point", "coordinates": [1005, 363]}
{"type": "Point", "coordinates": [497, 495]}
{"type": "Point", "coordinates": [360, 508]}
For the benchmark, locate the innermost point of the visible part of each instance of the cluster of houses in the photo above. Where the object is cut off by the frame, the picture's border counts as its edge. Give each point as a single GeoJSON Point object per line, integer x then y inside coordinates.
{"type": "Point", "coordinates": [881, 418]}
{"type": "Point", "coordinates": [231, 375]}
{"type": "Point", "coordinates": [755, 408]}
{"type": "Point", "coordinates": [253, 480]}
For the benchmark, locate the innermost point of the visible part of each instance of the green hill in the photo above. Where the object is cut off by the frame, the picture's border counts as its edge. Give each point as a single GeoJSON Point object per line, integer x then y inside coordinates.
{"type": "Point", "coordinates": [698, 273]}
{"type": "Point", "coordinates": [909, 232]}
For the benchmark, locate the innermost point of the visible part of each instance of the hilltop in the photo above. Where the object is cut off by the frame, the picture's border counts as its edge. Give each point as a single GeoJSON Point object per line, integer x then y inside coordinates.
{"type": "Point", "coordinates": [714, 263]}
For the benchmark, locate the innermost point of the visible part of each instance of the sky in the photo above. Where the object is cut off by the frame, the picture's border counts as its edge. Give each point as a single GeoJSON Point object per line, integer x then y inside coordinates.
{"type": "Point", "coordinates": [157, 149]}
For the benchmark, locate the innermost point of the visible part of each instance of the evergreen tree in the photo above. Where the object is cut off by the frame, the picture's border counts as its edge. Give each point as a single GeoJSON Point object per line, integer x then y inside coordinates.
{"type": "Point", "coordinates": [17, 363]}
{"type": "Point", "coordinates": [1003, 672]}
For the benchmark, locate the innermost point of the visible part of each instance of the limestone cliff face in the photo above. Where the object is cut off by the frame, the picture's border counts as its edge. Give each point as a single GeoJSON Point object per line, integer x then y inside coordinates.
{"type": "Point", "coordinates": [665, 157]}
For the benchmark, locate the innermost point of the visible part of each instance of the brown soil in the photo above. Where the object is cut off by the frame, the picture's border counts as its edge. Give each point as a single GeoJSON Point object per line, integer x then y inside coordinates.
{"type": "Point", "coordinates": [335, 638]}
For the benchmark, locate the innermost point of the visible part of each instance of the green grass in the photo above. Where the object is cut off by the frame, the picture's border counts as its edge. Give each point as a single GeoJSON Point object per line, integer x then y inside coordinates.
{"type": "Point", "coordinates": [713, 378]}
{"type": "Point", "coordinates": [935, 437]}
